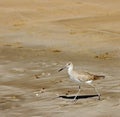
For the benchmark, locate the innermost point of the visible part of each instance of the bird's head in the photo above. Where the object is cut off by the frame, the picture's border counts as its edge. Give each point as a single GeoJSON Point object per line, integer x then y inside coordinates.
{"type": "Point", "coordinates": [68, 65]}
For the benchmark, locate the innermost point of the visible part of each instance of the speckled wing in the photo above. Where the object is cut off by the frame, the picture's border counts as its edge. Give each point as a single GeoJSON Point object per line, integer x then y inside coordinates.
{"type": "Point", "coordinates": [86, 76]}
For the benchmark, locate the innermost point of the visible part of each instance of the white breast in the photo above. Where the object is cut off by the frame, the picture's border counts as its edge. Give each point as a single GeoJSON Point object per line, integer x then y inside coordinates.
{"type": "Point", "coordinates": [73, 75]}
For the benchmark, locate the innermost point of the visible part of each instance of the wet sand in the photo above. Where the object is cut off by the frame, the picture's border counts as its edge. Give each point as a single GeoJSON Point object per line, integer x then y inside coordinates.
{"type": "Point", "coordinates": [39, 37]}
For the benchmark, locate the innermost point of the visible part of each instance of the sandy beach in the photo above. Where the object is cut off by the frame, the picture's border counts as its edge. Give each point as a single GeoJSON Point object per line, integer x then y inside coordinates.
{"type": "Point", "coordinates": [38, 37]}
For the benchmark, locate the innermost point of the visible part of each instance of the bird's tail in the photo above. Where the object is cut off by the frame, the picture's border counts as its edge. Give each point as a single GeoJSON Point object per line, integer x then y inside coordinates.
{"type": "Point", "coordinates": [96, 77]}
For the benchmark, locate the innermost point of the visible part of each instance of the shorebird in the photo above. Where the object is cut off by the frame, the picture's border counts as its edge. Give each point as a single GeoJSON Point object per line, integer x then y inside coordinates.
{"type": "Point", "coordinates": [81, 77]}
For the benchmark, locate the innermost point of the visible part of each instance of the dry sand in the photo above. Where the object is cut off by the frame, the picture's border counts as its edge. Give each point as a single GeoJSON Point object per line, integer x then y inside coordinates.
{"type": "Point", "coordinates": [37, 37]}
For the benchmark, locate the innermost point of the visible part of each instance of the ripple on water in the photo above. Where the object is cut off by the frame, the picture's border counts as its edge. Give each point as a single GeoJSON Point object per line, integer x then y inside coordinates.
{"type": "Point", "coordinates": [10, 101]}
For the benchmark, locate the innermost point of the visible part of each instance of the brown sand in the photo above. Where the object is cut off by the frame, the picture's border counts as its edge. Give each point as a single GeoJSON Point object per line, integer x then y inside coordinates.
{"type": "Point", "coordinates": [37, 37]}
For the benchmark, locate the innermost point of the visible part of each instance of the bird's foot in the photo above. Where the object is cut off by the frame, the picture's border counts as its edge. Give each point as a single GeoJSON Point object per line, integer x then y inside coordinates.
{"type": "Point", "coordinates": [75, 99]}
{"type": "Point", "coordinates": [99, 96]}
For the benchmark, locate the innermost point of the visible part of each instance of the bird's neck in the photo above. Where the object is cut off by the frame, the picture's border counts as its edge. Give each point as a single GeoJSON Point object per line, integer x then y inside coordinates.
{"type": "Point", "coordinates": [70, 69]}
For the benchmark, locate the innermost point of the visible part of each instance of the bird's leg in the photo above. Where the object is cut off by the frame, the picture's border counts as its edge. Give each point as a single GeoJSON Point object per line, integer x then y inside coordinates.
{"type": "Point", "coordinates": [95, 90]}
{"type": "Point", "coordinates": [77, 93]}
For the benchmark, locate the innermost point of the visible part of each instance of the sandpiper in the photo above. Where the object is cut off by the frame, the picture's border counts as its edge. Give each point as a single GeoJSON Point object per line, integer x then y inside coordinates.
{"type": "Point", "coordinates": [81, 77]}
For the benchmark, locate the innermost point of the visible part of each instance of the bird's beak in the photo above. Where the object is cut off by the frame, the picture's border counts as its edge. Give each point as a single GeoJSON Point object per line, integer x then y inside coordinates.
{"type": "Point", "coordinates": [61, 69]}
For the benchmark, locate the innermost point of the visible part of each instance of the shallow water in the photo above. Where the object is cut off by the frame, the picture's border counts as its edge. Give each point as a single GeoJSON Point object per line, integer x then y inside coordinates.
{"type": "Point", "coordinates": [32, 84]}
